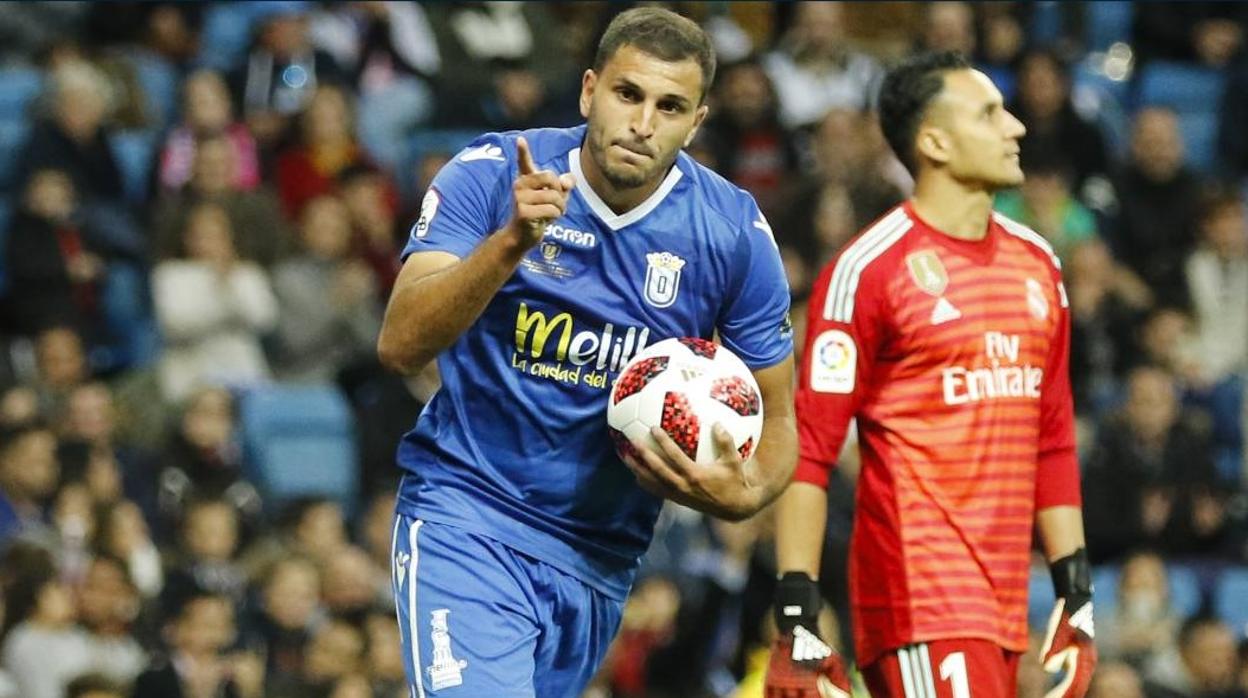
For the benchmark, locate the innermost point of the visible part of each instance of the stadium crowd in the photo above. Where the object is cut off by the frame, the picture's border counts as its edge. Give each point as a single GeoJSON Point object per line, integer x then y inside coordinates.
{"type": "Point", "coordinates": [203, 207]}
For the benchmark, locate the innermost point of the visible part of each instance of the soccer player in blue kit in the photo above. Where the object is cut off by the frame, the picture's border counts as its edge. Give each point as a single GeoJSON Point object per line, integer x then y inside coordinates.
{"type": "Point", "coordinates": [541, 263]}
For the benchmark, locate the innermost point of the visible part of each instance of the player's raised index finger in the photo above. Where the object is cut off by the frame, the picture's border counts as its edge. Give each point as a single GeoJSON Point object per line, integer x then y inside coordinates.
{"type": "Point", "coordinates": [525, 157]}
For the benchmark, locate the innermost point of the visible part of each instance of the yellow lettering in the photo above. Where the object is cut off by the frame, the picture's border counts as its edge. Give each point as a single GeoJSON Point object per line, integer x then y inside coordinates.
{"type": "Point", "coordinates": [536, 323]}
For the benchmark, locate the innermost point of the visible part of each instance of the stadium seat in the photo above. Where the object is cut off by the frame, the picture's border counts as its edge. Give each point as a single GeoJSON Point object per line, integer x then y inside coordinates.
{"type": "Point", "coordinates": [1181, 86]}
{"type": "Point", "coordinates": [18, 88]}
{"type": "Point", "coordinates": [159, 81]}
{"type": "Point", "coordinates": [299, 440]}
{"type": "Point", "coordinates": [13, 134]}
{"type": "Point", "coordinates": [1230, 599]}
{"type": "Point", "coordinates": [135, 151]}
{"type": "Point", "coordinates": [1185, 594]}
{"type": "Point", "coordinates": [1107, 22]}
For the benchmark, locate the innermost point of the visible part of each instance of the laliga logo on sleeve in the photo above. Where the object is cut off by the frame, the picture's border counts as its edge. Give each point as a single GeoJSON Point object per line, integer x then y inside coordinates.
{"type": "Point", "coordinates": [428, 208]}
{"type": "Point", "coordinates": [833, 363]}
{"type": "Point", "coordinates": [662, 278]}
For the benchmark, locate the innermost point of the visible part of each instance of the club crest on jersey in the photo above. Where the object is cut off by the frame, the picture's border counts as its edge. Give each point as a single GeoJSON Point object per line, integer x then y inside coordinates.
{"type": "Point", "coordinates": [550, 250]}
{"type": "Point", "coordinates": [928, 272]}
{"type": "Point", "coordinates": [1036, 302]}
{"type": "Point", "coordinates": [662, 278]}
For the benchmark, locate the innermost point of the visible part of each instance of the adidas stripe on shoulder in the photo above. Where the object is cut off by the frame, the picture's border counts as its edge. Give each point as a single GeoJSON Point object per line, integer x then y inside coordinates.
{"type": "Point", "coordinates": [839, 305]}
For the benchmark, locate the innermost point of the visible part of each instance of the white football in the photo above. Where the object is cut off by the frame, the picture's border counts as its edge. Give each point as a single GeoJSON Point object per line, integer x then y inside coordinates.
{"type": "Point", "coordinates": [685, 386]}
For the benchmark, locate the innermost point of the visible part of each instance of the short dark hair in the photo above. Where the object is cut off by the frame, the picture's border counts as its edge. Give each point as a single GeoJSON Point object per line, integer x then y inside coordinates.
{"type": "Point", "coordinates": [660, 33]}
{"type": "Point", "coordinates": [905, 94]}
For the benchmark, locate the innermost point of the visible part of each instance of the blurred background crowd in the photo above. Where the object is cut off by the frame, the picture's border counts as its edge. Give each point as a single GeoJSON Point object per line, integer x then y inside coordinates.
{"type": "Point", "coordinates": [201, 210]}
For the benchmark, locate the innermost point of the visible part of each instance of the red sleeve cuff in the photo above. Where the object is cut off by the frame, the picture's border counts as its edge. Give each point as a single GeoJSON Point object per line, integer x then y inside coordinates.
{"type": "Point", "coordinates": [812, 471]}
{"type": "Point", "coordinates": [1057, 479]}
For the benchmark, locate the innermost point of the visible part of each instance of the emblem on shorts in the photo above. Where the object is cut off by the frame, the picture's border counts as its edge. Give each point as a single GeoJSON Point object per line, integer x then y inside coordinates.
{"type": "Point", "coordinates": [445, 671]}
{"type": "Point", "coordinates": [928, 272]}
{"type": "Point", "coordinates": [400, 566]}
{"type": "Point", "coordinates": [662, 278]}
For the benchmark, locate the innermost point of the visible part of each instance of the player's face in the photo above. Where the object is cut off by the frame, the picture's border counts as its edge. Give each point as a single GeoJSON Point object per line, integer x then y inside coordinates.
{"type": "Point", "coordinates": [969, 130]}
{"type": "Point", "coordinates": [641, 110]}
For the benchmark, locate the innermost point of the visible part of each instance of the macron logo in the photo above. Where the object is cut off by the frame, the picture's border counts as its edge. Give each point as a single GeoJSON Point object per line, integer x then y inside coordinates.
{"type": "Point", "coordinates": [483, 152]}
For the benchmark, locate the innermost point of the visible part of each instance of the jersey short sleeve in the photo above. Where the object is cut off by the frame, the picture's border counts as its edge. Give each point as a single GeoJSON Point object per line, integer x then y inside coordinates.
{"type": "Point", "coordinates": [754, 323]}
{"type": "Point", "coordinates": [468, 199]}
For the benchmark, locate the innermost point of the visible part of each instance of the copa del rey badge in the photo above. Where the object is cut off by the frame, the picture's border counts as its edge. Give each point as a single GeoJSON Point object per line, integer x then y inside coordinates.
{"type": "Point", "coordinates": [662, 278]}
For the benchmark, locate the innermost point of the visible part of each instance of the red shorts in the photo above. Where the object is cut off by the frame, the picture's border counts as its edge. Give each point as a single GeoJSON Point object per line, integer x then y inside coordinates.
{"type": "Point", "coordinates": [944, 669]}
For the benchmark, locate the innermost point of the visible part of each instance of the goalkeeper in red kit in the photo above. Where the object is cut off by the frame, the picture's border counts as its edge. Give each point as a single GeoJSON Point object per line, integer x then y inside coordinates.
{"type": "Point", "coordinates": [943, 329]}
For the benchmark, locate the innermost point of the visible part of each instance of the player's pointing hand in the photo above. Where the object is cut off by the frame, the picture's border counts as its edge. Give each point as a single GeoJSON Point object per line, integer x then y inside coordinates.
{"type": "Point", "coordinates": [540, 196]}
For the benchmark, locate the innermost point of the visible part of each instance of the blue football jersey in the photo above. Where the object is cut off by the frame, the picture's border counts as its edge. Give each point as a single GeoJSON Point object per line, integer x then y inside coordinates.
{"type": "Point", "coordinates": [515, 445]}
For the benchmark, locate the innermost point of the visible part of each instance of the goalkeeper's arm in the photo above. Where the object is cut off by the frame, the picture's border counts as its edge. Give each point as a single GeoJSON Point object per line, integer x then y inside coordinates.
{"type": "Point", "coordinates": [1068, 645]}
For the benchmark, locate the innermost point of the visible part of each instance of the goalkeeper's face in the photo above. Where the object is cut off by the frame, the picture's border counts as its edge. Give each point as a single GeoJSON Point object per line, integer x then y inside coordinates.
{"type": "Point", "coordinates": [968, 132]}
{"type": "Point", "coordinates": [641, 110]}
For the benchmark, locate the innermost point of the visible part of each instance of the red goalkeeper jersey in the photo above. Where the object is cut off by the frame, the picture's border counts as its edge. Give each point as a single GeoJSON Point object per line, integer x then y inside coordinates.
{"type": "Point", "coordinates": [952, 355]}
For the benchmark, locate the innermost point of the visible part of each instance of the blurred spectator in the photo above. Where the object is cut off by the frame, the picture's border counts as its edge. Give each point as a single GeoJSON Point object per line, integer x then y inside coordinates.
{"type": "Point", "coordinates": [28, 30]}
{"type": "Point", "coordinates": [55, 274]}
{"type": "Point", "coordinates": [282, 71]}
{"type": "Point", "coordinates": [1116, 680]}
{"type": "Point", "coordinates": [256, 216]}
{"type": "Point", "coordinates": [1232, 115]}
{"type": "Point", "coordinates": [352, 585]}
{"type": "Point", "coordinates": [385, 655]}
{"type": "Point", "coordinates": [311, 527]}
{"type": "Point", "coordinates": [1150, 480]}
{"type": "Point", "coordinates": [110, 466]}
{"type": "Point", "coordinates": [1045, 204]}
{"type": "Point", "coordinates": [108, 605]}
{"type": "Point", "coordinates": [28, 476]}
{"type": "Point", "coordinates": [329, 311]}
{"type": "Point", "coordinates": [1165, 340]}
{"type": "Point", "coordinates": [499, 62]}
{"type": "Point", "coordinates": [751, 148]}
{"type": "Point", "coordinates": [94, 686]}
{"type": "Point", "coordinates": [124, 535]}
{"type": "Point", "coordinates": [44, 650]}
{"type": "Point", "coordinates": [326, 146]}
{"type": "Point", "coordinates": [289, 611]}
{"type": "Point", "coordinates": [213, 309]}
{"type": "Point", "coordinates": [1044, 106]}
{"type": "Point", "coordinates": [391, 54]}
{"type": "Point", "coordinates": [208, 112]}
{"type": "Point", "coordinates": [18, 405]}
{"type": "Point", "coordinates": [204, 457]}
{"type": "Point", "coordinates": [850, 148]}
{"type": "Point", "coordinates": [205, 559]}
{"type": "Point", "coordinates": [376, 528]}
{"type": "Point", "coordinates": [1206, 666]}
{"type": "Point", "coordinates": [1210, 33]}
{"type": "Point", "coordinates": [1217, 278]}
{"type": "Point", "coordinates": [377, 232]}
{"type": "Point", "coordinates": [74, 138]}
{"type": "Point", "coordinates": [74, 524]}
{"type": "Point", "coordinates": [813, 69]}
{"type": "Point", "coordinates": [1107, 306]}
{"type": "Point", "coordinates": [69, 265]}
{"type": "Point", "coordinates": [1144, 625]}
{"type": "Point", "coordinates": [335, 651]}
{"type": "Point", "coordinates": [200, 629]}
{"type": "Point", "coordinates": [1159, 200]}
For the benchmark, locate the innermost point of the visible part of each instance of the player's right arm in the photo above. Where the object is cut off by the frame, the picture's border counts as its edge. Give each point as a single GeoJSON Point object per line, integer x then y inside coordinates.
{"type": "Point", "coordinates": [438, 295]}
{"type": "Point", "coordinates": [841, 339]}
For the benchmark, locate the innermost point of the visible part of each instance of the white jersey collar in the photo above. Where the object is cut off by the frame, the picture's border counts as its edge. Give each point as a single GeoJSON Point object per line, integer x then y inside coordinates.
{"type": "Point", "coordinates": [613, 220]}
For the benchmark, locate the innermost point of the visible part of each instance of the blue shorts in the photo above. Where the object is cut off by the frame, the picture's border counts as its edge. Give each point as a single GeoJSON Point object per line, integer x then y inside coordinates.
{"type": "Point", "coordinates": [480, 619]}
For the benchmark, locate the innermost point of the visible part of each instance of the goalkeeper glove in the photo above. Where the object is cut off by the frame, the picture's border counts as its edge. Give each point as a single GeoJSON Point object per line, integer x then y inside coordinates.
{"type": "Point", "coordinates": [802, 665]}
{"type": "Point", "coordinates": [1068, 647]}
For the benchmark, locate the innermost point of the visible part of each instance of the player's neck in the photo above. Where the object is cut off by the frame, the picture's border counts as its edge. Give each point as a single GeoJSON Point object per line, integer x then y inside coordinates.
{"type": "Point", "coordinates": [950, 208]}
{"type": "Point", "coordinates": [618, 200]}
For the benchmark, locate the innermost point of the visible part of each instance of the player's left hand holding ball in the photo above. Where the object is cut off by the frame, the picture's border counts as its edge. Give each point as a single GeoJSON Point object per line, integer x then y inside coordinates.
{"type": "Point", "coordinates": [723, 487]}
{"type": "Point", "coordinates": [1068, 648]}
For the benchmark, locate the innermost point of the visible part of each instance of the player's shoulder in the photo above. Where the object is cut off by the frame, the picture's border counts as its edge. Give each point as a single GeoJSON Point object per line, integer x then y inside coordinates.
{"type": "Point", "coordinates": [498, 148]}
{"type": "Point", "coordinates": [1032, 241]}
{"type": "Point", "coordinates": [735, 206]}
{"type": "Point", "coordinates": [868, 260]}
{"type": "Point", "coordinates": [876, 249]}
